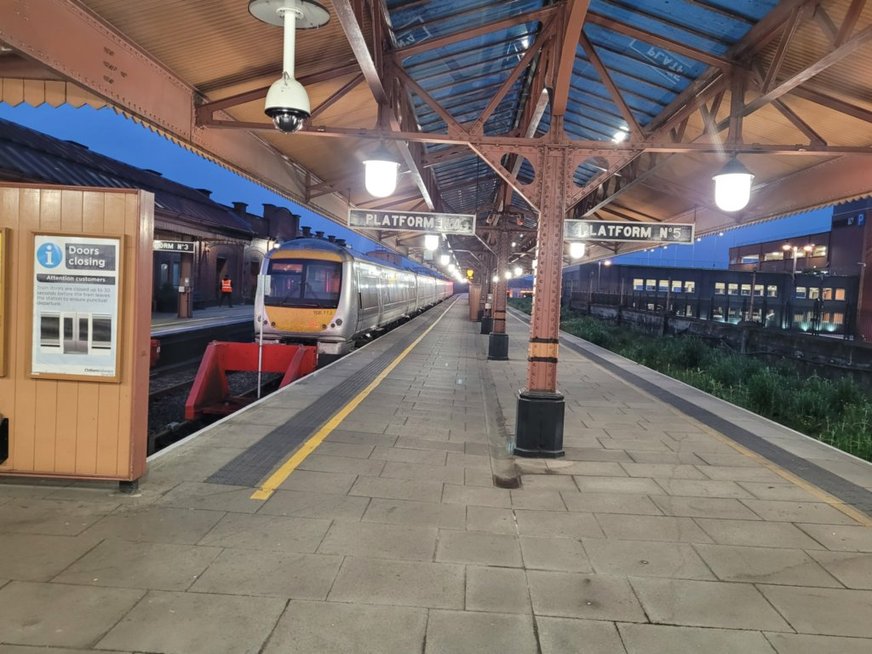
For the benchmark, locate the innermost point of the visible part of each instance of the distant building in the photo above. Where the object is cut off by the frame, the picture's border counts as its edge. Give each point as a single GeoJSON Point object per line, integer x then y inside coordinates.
{"type": "Point", "coordinates": [817, 283]}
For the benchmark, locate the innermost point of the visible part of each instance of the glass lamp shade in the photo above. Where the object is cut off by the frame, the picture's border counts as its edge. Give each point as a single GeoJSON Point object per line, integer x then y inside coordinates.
{"type": "Point", "coordinates": [733, 187]}
{"type": "Point", "coordinates": [444, 259]}
{"type": "Point", "coordinates": [495, 279]}
{"type": "Point", "coordinates": [380, 176]}
{"type": "Point", "coordinates": [431, 242]}
{"type": "Point", "coordinates": [518, 271]}
{"type": "Point", "coordinates": [576, 250]}
{"type": "Point", "coordinates": [508, 274]}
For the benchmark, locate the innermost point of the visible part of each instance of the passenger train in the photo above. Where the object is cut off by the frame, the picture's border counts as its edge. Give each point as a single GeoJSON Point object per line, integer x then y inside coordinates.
{"type": "Point", "coordinates": [314, 291]}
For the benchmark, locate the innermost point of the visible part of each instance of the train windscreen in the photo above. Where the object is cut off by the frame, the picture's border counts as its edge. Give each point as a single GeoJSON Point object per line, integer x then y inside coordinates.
{"type": "Point", "coordinates": [303, 283]}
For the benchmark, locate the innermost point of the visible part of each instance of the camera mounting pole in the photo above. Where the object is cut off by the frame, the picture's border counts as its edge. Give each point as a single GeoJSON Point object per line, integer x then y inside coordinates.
{"type": "Point", "coordinates": [287, 102]}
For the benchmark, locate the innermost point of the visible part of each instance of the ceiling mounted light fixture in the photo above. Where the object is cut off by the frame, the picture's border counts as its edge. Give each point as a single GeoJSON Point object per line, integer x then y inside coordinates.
{"type": "Point", "coordinates": [287, 102]}
{"type": "Point", "coordinates": [733, 186]}
{"type": "Point", "coordinates": [380, 173]}
{"type": "Point", "coordinates": [444, 259]}
{"type": "Point", "coordinates": [431, 242]}
{"type": "Point", "coordinates": [576, 249]}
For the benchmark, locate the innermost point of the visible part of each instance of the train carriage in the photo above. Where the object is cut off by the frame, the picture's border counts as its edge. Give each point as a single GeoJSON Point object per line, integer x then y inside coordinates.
{"type": "Point", "coordinates": [315, 291]}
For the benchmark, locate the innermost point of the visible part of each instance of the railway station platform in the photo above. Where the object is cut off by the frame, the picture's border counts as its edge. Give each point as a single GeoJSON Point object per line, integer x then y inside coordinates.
{"type": "Point", "coordinates": [169, 323]}
{"type": "Point", "coordinates": [355, 511]}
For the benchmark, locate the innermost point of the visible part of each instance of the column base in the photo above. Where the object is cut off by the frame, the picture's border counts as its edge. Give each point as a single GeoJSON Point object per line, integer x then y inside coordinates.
{"type": "Point", "coordinates": [486, 324]}
{"type": "Point", "coordinates": [539, 425]}
{"type": "Point", "coordinates": [498, 347]}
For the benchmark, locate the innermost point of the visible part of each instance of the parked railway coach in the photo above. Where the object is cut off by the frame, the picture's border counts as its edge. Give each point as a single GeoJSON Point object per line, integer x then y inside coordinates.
{"type": "Point", "coordinates": [315, 291]}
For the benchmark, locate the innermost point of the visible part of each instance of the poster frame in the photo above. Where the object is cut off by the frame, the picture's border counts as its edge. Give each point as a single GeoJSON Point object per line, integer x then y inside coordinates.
{"type": "Point", "coordinates": [120, 241]}
{"type": "Point", "coordinates": [4, 280]}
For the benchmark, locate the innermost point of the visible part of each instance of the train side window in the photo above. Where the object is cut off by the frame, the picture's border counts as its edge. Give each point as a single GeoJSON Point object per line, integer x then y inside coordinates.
{"type": "Point", "coordinates": [664, 285]}
{"type": "Point", "coordinates": [676, 286]}
{"type": "Point", "coordinates": [813, 292]}
{"type": "Point", "coordinates": [638, 285]}
{"type": "Point", "coordinates": [827, 294]}
{"type": "Point", "coordinates": [758, 290]}
{"type": "Point", "coordinates": [746, 289]}
{"type": "Point", "coordinates": [650, 284]}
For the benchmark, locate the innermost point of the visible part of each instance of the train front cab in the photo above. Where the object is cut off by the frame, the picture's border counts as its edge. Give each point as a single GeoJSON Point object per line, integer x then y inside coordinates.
{"type": "Point", "coordinates": [302, 298]}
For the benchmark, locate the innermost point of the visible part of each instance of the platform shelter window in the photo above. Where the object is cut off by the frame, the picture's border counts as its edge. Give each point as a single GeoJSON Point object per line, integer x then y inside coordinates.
{"type": "Point", "coordinates": [689, 287]}
{"type": "Point", "coordinates": [771, 290]}
{"type": "Point", "coordinates": [827, 294]}
{"type": "Point", "coordinates": [303, 283]}
{"type": "Point", "coordinates": [774, 256]}
{"type": "Point", "coordinates": [758, 290]}
{"type": "Point", "coordinates": [638, 284]}
{"type": "Point", "coordinates": [664, 286]}
{"type": "Point", "coordinates": [819, 251]}
{"type": "Point", "coordinates": [720, 288]}
{"type": "Point", "coordinates": [751, 258]}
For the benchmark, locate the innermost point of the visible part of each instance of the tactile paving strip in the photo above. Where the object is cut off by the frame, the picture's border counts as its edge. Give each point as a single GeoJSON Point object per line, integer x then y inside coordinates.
{"type": "Point", "coordinates": [255, 463]}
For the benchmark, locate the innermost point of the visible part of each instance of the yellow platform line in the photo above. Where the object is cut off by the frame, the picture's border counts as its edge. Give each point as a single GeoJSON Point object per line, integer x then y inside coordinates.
{"type": "Point", "coordinates": [284, 471]}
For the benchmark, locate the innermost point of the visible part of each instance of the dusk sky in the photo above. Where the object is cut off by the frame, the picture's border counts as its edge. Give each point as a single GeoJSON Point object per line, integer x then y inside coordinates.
{"type": "Point", "coordinates": [113, 135]}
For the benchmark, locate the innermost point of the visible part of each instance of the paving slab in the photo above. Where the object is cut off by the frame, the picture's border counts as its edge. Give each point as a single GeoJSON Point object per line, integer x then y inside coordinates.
{"type": "Point", "coordinates": [282, 574]}
{"type": "Point", "coordinates": [765, 565]}
{"type": "Point", "coordinates": [191, 623]}
{"type": "Point", "coordinates": [156, 525]}
{"type": "Point", "coordinates": [60, 615]}
{"type": "Point", "coordinates": [266, 532]}
{"type": "Point", "coordinates": [706, 604]}
{"type": "Point", "coordinates": [853, 569]}
{"type": "Point", "coordinates": [498, 590]}
{"type": "Point", "coordinates": [593, 597]}
{"type": "Point", "coordinates": [645, 559]}
{"type": "Point", "coordinates": [562, 635]}
{"type": "Point", "coordinates": [565, 554]}
{"type": "Point", "coordinates": [376, 540]}
{"type": "Point", "coordinates": [478, 547]}
{"type": "Point", "coordinates": [124, 564]}
{"type": "Point", "coordinates": [823, 610]}
{"type": "Point", "coordinates": [661, 639]}
{"type": "Point", "coordinates": [34, 557]}
{"type": "Point", "coordinates": [399, 583]}
{"type": "Point", "coordinates": [300, 504]}
{"type": "Point", "coordinates": [805, 644]}
{"type": "Point", "coordinates": [333, 628]}
{"type": "Point", "coordinates": [456, 632]}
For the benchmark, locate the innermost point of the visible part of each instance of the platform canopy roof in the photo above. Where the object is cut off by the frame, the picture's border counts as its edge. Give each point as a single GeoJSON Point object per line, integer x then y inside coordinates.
{"type": "Point", "coordinates": [651, 96]}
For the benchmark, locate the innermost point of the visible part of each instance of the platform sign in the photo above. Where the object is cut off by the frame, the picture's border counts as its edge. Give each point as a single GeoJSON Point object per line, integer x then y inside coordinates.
{"type": "Point", "coordinates": [603, 230]}
{"type": "Point", "coordinates": [412, 221]}
{"type": "Point", "coordinates": [76, 281]}
{"type": "Point", "coordinates": [174, 246]}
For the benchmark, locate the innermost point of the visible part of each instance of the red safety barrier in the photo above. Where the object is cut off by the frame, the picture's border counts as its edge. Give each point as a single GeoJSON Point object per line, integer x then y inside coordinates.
{"type": "Point", "coordinates": [210, 394]}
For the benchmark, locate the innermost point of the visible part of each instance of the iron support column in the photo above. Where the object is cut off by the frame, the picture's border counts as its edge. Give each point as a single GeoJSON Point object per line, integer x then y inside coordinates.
{"type": "Point", "coordinates": [487, 307]}
{"type": "Point", "coordinates": [498, 345]}
{"type": "Point", "coordinates": [539, 423]}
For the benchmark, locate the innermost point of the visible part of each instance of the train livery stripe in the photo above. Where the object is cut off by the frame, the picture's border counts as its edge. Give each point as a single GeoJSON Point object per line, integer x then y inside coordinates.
{"type": "Point", "coordinates": [276, 479]}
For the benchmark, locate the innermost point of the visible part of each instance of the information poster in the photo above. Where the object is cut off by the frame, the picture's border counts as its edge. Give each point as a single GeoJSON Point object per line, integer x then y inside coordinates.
{"type": "Point", "coordinates": [75, 306]}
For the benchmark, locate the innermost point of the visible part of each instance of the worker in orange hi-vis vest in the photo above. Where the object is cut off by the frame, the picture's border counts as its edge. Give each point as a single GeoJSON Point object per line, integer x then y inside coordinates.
{"type": "Point", "coordinates": [226, 291]}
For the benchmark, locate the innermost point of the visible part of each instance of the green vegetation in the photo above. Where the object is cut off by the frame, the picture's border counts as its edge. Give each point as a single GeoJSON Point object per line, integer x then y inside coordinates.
{"type": "Point", "coordinates": [836, 412]}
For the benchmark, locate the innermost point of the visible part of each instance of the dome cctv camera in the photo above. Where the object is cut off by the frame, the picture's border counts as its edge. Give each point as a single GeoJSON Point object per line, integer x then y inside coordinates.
{"type": "Point", "coordinates": [287, 103]}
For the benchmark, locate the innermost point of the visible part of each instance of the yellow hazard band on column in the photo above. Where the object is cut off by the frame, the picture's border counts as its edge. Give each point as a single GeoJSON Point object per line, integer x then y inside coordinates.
{"type": "Point", "coordinates": [543, 350]}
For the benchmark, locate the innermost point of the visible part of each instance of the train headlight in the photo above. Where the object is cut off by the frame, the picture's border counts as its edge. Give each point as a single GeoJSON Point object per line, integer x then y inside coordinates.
{"type": "Point", "coordinates": [339, 322]}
